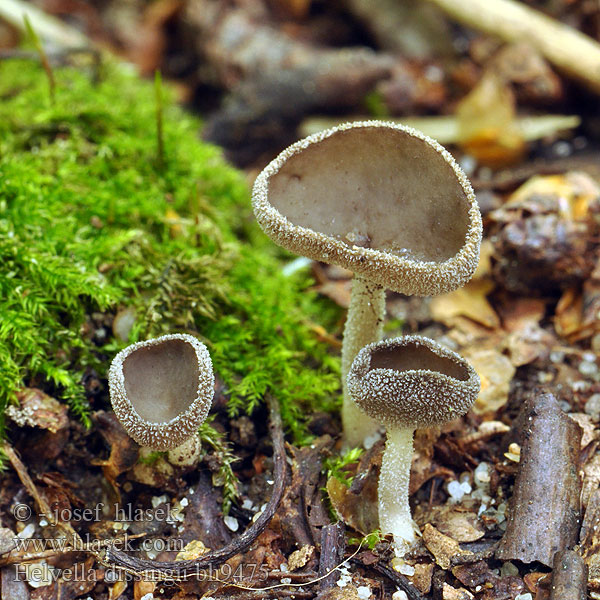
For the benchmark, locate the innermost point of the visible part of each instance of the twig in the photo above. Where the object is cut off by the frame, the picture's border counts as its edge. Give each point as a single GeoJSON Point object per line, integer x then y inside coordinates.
{"type": "Point", "coordinates": [41, 503]}
{"type": "Point", "coordinates": [569, 578]}
{"type": "Point", "coordinates": [333, 545]}
{"type": "Point", "coordinates": [189, 569]}
{"type": "Point", "coordinates": [569, 50]}
{"type": "Point", "coordinates": [544, 510]}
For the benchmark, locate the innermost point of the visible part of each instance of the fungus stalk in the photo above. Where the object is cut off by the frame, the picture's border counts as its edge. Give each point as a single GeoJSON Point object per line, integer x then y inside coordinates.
{"type": "Point", "coordinates": [394, 478]}
{"type": "Point", "coordinates": [364, 324]}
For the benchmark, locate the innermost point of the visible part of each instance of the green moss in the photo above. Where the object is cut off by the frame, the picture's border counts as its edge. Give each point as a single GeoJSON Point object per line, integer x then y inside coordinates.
{"type": "Point", "coordinates": [89, 222]}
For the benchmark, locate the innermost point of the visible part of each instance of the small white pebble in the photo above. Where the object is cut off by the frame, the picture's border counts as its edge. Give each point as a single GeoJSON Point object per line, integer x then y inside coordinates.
{"type": "Point", "coordinates": [482, 509]}
{"type": "Point", "coordinates": [184, 502]}
{"type": "Point", "coordinates": [26, 532]}
{"type": "Point", "coordinates": [482, 473]}
{"type": "Point", "coordinates": [148, 596]}
{"type": "Point", "coordinates": [465, 486]}
{"type": "Point", "coordinates": [231, 523]}
{"type": "Point", "coordinates": [283, 568]}
{"type": "Point", "coordinates": [455, 490]}
{"type": "Point", "coordinates": [247, 504]}
{"type": "Point", "coordinates": [399, 595]}
{"type": "Point", "coordinates": [43, 522]}
{"type": "Point", "coordinates": [286, 580]}
{"type": "Point", "coordinates": [363, 592]}
{"type": "Point", "coordinates": [588, 368]}
{"type": "Point", "coordinates": [556, 356]}
{"type": "Point", "coordinates": [157, 500]}
{"type": "Point", "coordinates": [592, 407]}
{"type": "Point", "coordinates": [371, 440]}
{"type": "Point", "coordinates": [526, 596]}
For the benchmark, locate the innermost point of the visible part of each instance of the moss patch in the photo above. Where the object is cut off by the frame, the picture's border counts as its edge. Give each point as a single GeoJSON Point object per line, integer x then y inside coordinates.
{"type": "Point", "coordinates": [90, 222]}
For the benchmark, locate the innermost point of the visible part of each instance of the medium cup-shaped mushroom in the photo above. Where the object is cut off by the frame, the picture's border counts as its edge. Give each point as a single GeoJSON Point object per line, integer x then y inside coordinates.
{"type": "Point", "coordinates": [384, 201]}
{"type": "Point", "coordinates": [406, 383]}
{"type": "Point", "coordinates": [162, 389]}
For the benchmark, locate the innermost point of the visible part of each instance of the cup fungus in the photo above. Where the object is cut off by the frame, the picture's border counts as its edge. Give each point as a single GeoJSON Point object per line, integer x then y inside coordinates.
{"type": "Point", "coordinates": [406, 383]}
{"type": "Point", "coordinates": [382, 200]}
{"type": "Point", "coordinates": [162, 389]}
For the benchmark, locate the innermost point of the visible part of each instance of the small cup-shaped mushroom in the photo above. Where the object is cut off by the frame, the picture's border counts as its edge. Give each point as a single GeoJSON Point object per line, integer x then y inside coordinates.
{"type": "Point", "coordinates": [407, 383]}
{"type": "Point", "coordinates": [162, 389]}
{"type": "Point", "coordinates": [384, 201]}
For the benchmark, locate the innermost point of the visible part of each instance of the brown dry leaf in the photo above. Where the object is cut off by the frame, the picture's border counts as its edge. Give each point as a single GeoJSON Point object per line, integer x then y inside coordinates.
{"type": "Point", "coordinates": [123, 450]}
{"type": "Point", "coordinates": [577, 193]}
{"type": "Point", "coordinates": [452, 593]}
{"type": "Point", "coordinates": [423, 469]}
{"type": "Point", "coordinates": [569, 311]}
{"type": "Point", "coordinates": [527, 341]}
{"type": "Point", "coordinates": [143, 588]}
{"type": "Point", "coordinates": [337, 290]}
{"type": "Point", "coordinates": [496, 372]}
{"type": "Point", "coordinates": [488, 128]}
{"type": "Point", "coordinates": [457, 522]}
{"type": "Point", "coordinates": [422, 577]}
{"type": "Point", "coordinates": [441, 546]}
{"type": "Point", "coordinates": [469, 301]}
{"type": "Point", "coordinates": [299, 558]}
{"type": "Point", "coordinates": [116, 590]}
{"type": "Point", "coordinates": [358, 511]}
{"type": "Point", "coordinates": [589, 431]}
{"type": "Point", "coordinates": [37, 409]}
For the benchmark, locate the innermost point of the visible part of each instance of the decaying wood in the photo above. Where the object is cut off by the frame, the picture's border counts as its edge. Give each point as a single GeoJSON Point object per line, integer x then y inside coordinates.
{"type": "Point", "coordinates": [188, 569]}
{"type": "Point", "coordinates": [397, 578]}
{"type": "Point", "coordinates": [333, 545]}
{"type": "Point", "coordinates": [569, 50]}
{"type": "Point", "coordinates": [569, 578]}
{"type": "Point", "coordinates": [544, 511]}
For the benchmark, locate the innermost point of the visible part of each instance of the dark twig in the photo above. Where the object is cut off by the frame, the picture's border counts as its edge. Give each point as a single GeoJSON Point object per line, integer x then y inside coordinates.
{"type": "Point", "coordinates": [569, 578]}
{"type": "Point", "coordinates": [189, 569]}
{"type": "Point", "coordinates": [544, 513]}
{"type": "Point", "coordinates": [333, 545]}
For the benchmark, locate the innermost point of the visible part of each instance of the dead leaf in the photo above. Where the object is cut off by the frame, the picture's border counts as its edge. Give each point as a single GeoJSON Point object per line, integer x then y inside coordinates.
{"type": "Point", "coordinates": [37, 409]}
{"type": "Point", "coordinates": [441, 546]}
{"type": "Point", "coordinates": [469, 301]}
{"type": "Point", "coordinates": [589, 431]}
{"type": "Point", "coordinates": [457, 522]}
{"type": "Point", "coordinates": [299, 558]}
{"type": "Point", "coordinates": [496, 372]}
{"type": "Point", "coordinates": [451, 593]}
{"type": "Point", "coordinates": [358, 511]}
{"type": "Point", "coordinates": [569, 312]}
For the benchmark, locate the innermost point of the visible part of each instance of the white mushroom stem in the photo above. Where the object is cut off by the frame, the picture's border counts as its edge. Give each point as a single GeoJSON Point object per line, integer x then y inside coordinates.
{"type": "Point", "coordinates": [364, 324]}
{"type": "Point", "coordinates": [394, 477]}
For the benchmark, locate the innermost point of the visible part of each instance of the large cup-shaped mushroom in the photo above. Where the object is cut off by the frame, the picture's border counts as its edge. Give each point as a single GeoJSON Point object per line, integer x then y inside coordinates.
{"type": "Point", "coordinates": [384, 201]}
{"type": "Point", "coordinates": [162, 389]}
{"type": "Point", "coordinates": [406, 383]}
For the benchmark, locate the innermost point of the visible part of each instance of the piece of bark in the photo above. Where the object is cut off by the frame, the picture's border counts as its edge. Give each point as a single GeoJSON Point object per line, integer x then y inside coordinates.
{"type": "Point", "coordinates": [544, 511]}
{"type": "Point", "coordinates": [333, 544]}
{"type": "Point", "coordinates": [569, 578]}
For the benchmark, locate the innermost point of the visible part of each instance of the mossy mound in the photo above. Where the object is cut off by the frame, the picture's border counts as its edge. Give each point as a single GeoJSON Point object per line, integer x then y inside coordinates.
{"type": "Point", "coordinates": [91, 222]}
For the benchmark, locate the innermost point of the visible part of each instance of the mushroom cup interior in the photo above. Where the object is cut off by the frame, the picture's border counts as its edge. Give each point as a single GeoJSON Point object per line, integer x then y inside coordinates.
{"type": "Point", "coordinates": [412, 357]}
{"type": "Point", "coordinates": [161, 380]}
{"type": "Point", "coordinates": [376, 187]}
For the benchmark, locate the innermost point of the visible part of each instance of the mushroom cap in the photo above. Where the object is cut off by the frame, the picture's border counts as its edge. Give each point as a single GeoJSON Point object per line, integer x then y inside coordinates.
{"type": "Point", "coordinates": [162, 389]}
{"type": "Point", "coordinates": [412, 381]}
{"type": "Point", "coordinates": [378, 198]}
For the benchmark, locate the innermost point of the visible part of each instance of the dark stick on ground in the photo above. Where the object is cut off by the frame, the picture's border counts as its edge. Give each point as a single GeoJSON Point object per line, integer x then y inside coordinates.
{"type": "Point", "coordinates": [545, 506]}
{"type": "Point", "coordinates": [189, 569]}
{"type": "Point", "coordinates": [569, 578]}
{"type": "Point", "coordinates": [333, 545]}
